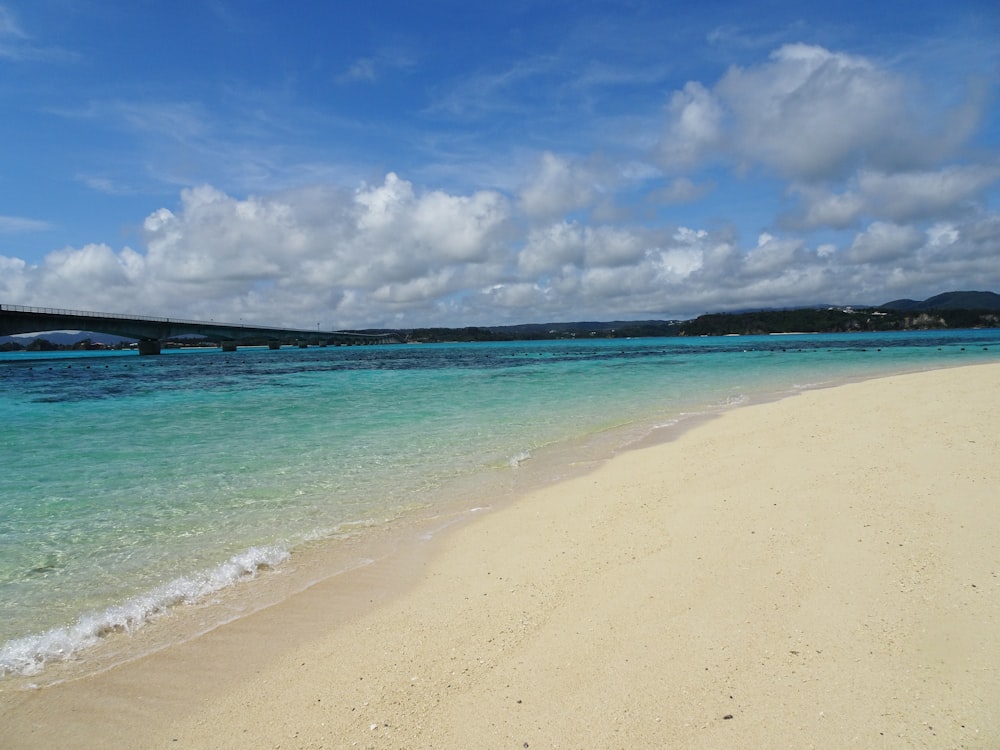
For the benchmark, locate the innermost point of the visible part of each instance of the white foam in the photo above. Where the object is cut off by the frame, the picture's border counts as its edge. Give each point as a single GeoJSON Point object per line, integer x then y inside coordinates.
{"type": "Point", "coordinates": [519, 458]}
{"type": "Point", "coordinates": [738, 399]}
{"type": "Point", "coordinates": [29, 655]}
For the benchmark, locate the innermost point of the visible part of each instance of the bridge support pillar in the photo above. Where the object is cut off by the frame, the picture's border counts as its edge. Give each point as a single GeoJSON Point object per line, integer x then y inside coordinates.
{"type": "Point", "coordinates": [149, 346]}
{"type": "Point", "coordinates": [228, 346]}
{"type": "Point", "coordinates": [274, 345]}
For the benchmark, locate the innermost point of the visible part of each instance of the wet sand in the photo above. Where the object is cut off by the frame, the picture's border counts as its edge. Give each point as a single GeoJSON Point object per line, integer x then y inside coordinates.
{"type": "Point", "coordinates": [822, 571]}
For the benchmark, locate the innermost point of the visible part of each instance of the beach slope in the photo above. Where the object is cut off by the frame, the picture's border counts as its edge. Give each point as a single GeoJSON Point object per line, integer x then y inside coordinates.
{"type": "Point", "coordinates": [821, 571]}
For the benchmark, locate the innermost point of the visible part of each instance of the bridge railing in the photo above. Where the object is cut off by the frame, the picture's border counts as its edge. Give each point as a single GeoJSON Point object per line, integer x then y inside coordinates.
{"type": "Point", "coordinates": [90, 314]}
{"type": "Point", "coordinates": [153, 319]}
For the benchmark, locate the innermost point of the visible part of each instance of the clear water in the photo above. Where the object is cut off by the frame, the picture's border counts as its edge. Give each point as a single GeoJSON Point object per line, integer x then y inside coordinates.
{"type": "Point", "coordinates": [129, 485]}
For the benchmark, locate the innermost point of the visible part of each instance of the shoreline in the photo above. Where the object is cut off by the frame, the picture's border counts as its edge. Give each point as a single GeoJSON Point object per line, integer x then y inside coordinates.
{"type": "Point", "coordinates": [67, 642]}
{"type": "Point", "coordinates": [619, 606]}
{"type": "Point", "coordinates": [364, 542]}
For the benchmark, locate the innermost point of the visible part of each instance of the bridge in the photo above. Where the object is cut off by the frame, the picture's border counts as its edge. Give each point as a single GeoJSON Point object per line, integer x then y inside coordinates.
{"type": "Point", "coordinates": [152, 332]}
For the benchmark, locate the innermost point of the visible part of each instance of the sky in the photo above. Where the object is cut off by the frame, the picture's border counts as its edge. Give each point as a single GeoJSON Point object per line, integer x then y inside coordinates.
{"type": "Point", "coordinates": [374, 164]}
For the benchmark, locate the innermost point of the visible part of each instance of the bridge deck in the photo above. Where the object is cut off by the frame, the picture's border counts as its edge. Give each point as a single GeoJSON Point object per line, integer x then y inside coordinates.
{"type": "Point", "coordinates": [15, 319]}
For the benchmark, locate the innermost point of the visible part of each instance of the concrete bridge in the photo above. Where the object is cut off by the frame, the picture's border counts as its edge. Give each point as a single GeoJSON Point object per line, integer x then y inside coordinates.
{"type": "Point", "coordinates": [151, 332]}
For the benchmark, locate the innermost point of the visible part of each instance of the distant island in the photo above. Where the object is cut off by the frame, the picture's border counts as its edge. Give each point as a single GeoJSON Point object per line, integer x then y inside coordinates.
{"type": "Point", "coordinates": [948, 310]}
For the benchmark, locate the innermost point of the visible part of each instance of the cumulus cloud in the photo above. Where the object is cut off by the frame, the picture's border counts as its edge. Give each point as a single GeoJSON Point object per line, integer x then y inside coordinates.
{"type": "Point", "coordinates": [919, 195]}
{"type": "Point", "coordinates": [694, 127]}
{"type": "Point", "coordinates": [809, 114]}
{"type": "Point", "coordinates": [568, 244]}
{"type": "Point", "coordinates": [926, 194]}
{"type": "Point", "coordinates": [93, 276]}
{"type": "Point", "coordinates": [823, 208]}
{"type": "Point", "coordinates": [876, 208]}
{"type": "Point", "coordinates": [883, 241]}
{"type": "Point", "coordinates": [458, 228]}
{"type": "Point", "coordinates": [377, 235]}
{"type": "Point", "coordinates": [558, 186]}
{"type": "Point", "coordinates": [14, 279]}
{"type": "Point", "coordinates": [273, 258]}
{"type": "Point", "coordinates": [387, 254]}
{"type": "Point", "coordinates": [218, 238]}
{"type": "Point", "coordinates": [772, 256]}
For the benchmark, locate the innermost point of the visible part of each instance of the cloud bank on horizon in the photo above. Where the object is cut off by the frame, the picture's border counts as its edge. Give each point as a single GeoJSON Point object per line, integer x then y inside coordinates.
{"type": "Point", "coordinates": [406, 165]}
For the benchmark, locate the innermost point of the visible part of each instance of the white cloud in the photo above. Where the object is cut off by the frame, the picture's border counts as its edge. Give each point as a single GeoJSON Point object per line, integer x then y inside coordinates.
{"type": "Point", "coordinates": [559, 186]}
{"type": "Point", "coordinates": [15, 276]}
{"type": "Point", "coordinates": [216, 238]}
{"type": "Point", "coordinates": [459, 228]}
{"type": "Point", "coordinates": [941, 235]}
{"type": "Point", "coordinates": [694, 127]}
{"type": "Point", "coordinates": [104, 185]}
{"type": "Point", "coordinates": [427, 287]}
{"type": "Point", "coordinates": [921, 195]}
{"type": "Point", "coordinates": [18, 224]}
{"type": "Point", "coordinates": [390, 255]}
{"type": "Point", "coordinates": [772, 256]}
{"type": "Point", "coordinates": [676, 264]}
{"type": "Point", "coordinates": [925, 194]}
{"type": "Point", "coordinates": [810, 114]}
{"type": "Point", "coordinates": [94, 265]}
{"type": "Point", "coordinates": [621, 232]}
{"type": "Point", "coordinates": [93, 277]}
{"type": "Point", "coordinates": [278, 258]}
{"type": "Point", "coordinates": [568, 244]}
{"type": "Point", "coordinates": [882, 242]}
{"type": "Point", "coordinates": [549, 248]}
{"type": "Point", "coordinates": [518, 296]}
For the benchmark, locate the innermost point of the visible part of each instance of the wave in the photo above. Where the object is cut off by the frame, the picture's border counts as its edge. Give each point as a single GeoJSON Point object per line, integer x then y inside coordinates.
{"type": "Point", "coordinates": [519, 458]}
{"type": "Point", "coordinates": [736, 399]}
{"type": "Point", "coordinates": [28, 655]}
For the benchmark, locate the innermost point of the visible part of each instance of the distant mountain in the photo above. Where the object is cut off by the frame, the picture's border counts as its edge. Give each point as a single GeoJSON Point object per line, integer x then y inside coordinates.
{"type": "Point", "coordinates": [63, 338]}
{"type": "Point", "coordinates": [948, 301]}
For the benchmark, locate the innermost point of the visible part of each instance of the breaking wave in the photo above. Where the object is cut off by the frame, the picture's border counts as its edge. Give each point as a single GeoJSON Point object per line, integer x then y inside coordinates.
{"type": "Point", "coordinates": [29, 655]}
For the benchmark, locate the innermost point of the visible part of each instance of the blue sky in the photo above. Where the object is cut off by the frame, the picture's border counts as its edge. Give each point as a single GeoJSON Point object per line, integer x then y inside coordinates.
{"type": "Point", "coordinates": [454, 163]}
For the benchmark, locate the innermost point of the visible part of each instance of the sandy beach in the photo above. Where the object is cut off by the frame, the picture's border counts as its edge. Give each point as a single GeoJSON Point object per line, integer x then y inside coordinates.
{"type": "Point", "coordinates": [821, 571]}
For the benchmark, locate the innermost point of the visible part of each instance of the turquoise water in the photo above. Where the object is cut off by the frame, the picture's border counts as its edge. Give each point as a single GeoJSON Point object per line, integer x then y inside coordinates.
{"type": "Point", "coordinates": [132, 485]}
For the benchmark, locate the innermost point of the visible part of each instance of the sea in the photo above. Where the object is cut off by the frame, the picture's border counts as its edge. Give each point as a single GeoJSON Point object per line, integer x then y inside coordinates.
{"type": "Point", "coordinates": [134, 489]}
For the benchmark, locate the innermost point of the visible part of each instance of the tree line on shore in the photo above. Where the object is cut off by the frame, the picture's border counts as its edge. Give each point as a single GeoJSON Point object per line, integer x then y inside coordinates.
{"type": "Point", "coordinates": [836, 320]}
{"type": "Point", "coordinates": [804, 320]}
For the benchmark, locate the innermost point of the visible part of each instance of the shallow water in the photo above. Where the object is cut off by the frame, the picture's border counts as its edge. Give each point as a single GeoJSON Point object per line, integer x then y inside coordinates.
{"type": "Point", "coordinates": [132, 485]}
